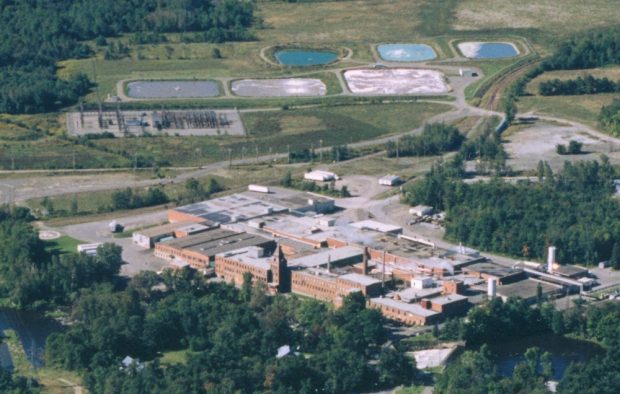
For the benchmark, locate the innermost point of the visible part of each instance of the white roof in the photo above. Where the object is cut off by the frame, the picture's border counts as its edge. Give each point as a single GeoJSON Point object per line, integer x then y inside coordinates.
{"type": "Point", "coordinates": [361, 279]}
{"type": "Point", "coordinates": [283, 351]}
{"type": "Point", "coordinates": [391, 178]}
{"type": "Point", "coordinates": [414, 309]}
{"type": "Point", "coordinates": [377, 226]}
{"type": "Point", "coordinates": [246, 256]}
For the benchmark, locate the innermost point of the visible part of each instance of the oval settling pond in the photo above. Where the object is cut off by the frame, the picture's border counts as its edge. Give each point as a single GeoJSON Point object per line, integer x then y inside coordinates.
{"type": "Point", "coordinates": [406, 52]}
{"type": "Point", "coordinates": [284, 87]}
{"type": "Point", "coordinates": [488, 50]}
{"type": "Point", "coordinates": [305, 58]}
{"type": "Point", "coordinates": [173, 89]}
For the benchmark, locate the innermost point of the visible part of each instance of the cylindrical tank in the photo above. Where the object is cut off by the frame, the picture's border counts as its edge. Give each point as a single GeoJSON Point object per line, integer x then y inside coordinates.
{"type": "Point", "coordinates": [491, 287]}
{"type": "Point", "coordinates": [550, 259]}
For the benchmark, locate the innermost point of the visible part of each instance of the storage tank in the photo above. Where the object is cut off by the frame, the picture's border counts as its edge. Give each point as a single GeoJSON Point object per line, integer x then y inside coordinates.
{"type": "Point", "coordinates": [550, 259]}
{"type": "Point", "coordinates": [491, 288]}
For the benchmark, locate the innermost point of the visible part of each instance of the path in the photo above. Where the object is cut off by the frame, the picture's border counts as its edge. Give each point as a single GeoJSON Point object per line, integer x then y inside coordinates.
{"type": "Point", "coordinates": [76, 389]}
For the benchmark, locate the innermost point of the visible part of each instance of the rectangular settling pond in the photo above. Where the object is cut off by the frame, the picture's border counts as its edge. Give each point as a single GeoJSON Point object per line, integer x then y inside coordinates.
{"type": "Point", "coordinates": [305, 58]}
{"type": "Point", "coordinates": [284, 87]}
{"type": "Point", "coordinates": [406, 52]}
{"type": "Point", "coordinates": [488, 50]}
{"type": "Point", "coordinates": [396, 81]}
{"type": "Point", "coordinates": [173, 89]}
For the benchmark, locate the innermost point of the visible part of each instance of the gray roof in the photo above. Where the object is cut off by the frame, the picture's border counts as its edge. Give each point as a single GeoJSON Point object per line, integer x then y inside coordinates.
{"type": "Point", "coordinates": [414, 309]}
{"type": "Point", "coordinates": [322, 257]}
{"type": "Point", "coordinates": [364, 280]}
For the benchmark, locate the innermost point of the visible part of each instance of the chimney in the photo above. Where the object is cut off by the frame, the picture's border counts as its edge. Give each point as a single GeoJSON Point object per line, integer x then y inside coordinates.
{"type": "Point", "coordinates": [550, 259]}
{"type": "Point", "coordinates": [383, 274]}
{"type": "Point", "coordinates": [365, 261]}
{"type": "Point", "coordinates": [329, 263]}
{"type": "Point", "coordinates": [491, 288]}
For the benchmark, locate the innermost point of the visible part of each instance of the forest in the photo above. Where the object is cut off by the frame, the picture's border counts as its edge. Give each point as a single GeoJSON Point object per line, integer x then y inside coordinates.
{"type": "Point", "coordinates": [36, 34]}
{"type": "Point", "coordinates": [33, 278]}
{"type": "Point", "coordinates": [231, 337]}
{"type": "Point", "coordinates": [574, 210]}
{"type": "Point", "coordinates": [475, 370]}
{"type": "Point", "coordinates": [587, 85]}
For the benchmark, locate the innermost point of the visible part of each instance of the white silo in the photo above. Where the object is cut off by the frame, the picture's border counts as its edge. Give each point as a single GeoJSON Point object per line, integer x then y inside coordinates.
{"type": "Point", "coordinates": [550, 259]}
{"type": "Point", "coordinates": [491, 288]}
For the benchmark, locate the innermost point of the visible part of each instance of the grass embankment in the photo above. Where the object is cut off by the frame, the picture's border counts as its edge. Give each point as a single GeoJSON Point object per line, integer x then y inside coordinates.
{"type": "Point", "coordinates": [50, 380]}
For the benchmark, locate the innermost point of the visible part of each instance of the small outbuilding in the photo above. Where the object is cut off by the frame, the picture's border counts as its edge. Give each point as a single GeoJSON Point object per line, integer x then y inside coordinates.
{"type": "Point", "coordinates": [421, 210]}
{"type": "Point", "coordinates": [390, 180]}
{"type": "Point", "coordinates": [320, 176]}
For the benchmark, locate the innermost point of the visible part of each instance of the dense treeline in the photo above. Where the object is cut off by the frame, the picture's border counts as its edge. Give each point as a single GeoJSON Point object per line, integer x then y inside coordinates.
{"type": "Point", "coordinates": [587, 50]}
{"type": "Point", "coordinates": [232, 337]}
{"type": "Point", "coordinates": [587, 85]}
{"type": "Point", "coordinates": [35, 34]}
{"type": "Point", "coordinates": [475, 371]}
{"type": "Point", "coordinates": [436, 138]}
{"type": "Point", "coordinates": [30, 277]}
{"type": "Point", "coordinates": [573, 210]}
{"type": "Point", "coordinates": [610, 117]}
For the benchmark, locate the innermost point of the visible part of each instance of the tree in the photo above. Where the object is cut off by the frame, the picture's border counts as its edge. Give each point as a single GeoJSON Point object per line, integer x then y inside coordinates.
{"type": "Point", "coordinates": [287, 179]}
{"type": "Point", "coordinates": [216, 54]}
{"type": "Point", "coordinates": [614, 260]}
{"type": "Point", "coordinates": [194, 189]}
{"type": "Point", "coordinates": [74, 205]}
{"type": "Point", "coordinates": [395, 368]}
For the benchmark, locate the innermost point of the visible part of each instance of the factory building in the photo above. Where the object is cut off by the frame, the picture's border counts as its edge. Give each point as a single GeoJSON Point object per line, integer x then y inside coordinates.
{"type": "Point", "coordinates": [412, 314]}
{"type": "Point", "coordinates": [200, 250]}
{"type": "Point", "coordinates": [146, 238]}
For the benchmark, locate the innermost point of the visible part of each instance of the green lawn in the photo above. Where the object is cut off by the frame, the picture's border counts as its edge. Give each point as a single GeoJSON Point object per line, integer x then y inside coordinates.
{"type": "Point", "coordinates": [64, 244]}
{"type": "Point", "coordinates": [410, 390]}
{"type": "Point", "coordinates": [174, 357]}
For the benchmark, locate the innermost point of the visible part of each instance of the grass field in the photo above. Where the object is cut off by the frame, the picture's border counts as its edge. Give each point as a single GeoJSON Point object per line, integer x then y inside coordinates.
{"type": "Point", "coordinates": [584, 109]}
{"type": "Point", "coordinates": [64, 244]}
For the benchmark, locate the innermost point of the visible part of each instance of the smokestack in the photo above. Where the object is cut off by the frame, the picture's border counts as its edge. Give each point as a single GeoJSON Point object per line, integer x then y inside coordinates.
{"type": "Point", "coordinates": [383, 274]}
{"type": "Point", "coordinates": [550, 259]}
{"type": "Point", "coordinates": [491, 288]}
{"type": "Point", "coordinates": [365, 261]}
{"type": "Point", "coordinates": [329, 262]}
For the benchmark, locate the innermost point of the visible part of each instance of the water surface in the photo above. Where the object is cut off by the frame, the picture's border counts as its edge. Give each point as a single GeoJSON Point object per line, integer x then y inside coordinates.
{"type": "Point", "coordinates": [406, 52]}
{"type": "Point", "coordinates": [290, 57]}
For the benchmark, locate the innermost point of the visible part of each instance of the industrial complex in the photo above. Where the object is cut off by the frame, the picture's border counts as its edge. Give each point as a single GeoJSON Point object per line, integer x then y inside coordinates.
{"type": "Point", "coordinates": [301, 243]}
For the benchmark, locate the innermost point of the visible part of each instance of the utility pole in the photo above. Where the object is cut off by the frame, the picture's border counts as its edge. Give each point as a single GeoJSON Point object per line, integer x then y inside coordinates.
{"type": "Point", "coordinates": [13, 163]}
{"type": "Point", "coordinates": [288, 153]}
{"type": "Point", "coordinates": [321, 150]}
{"type": "Point", "coordinates": [73, 155]}
{"type": "Point", "coordinates": [229, 157]}
{"type": "Point", "coordinates": [256, 147]}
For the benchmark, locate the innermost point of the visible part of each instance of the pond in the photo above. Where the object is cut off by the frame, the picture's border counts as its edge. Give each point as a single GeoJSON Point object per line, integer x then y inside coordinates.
{"type": "Point", "coordinates": [172, 89]}
{"type": "Point", "coordinates": [293, 57]}
{"type": "Point", "coordinates": [284, 87]}
{"type": "Point", "coordinates": [564, 351]}
{"type": "Point", "coordinates": [488, 50]}
{"type": "Point", "coordinates": [406, 52]}
{"type": "Point", "coordinates": [32, 330]}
